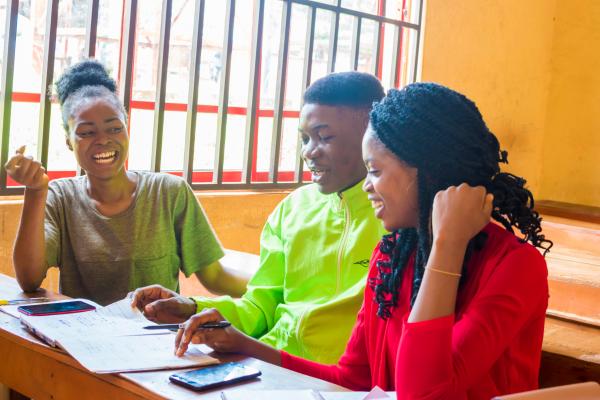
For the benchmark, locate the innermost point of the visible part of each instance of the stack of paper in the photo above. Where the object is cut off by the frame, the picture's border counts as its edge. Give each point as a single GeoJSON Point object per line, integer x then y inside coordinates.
{"type": "Point", "coordinates": [112, 339]}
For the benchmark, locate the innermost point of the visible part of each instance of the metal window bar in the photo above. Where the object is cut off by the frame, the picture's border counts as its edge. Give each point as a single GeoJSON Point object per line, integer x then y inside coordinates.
{"type": "Point", "coordinates": [396, 57]}
{"type": "Point", "coordinates": [356, 28]}
{"type": "Point", "coordinates": [244, 186]}
{"type": "Point", "coordinates": [418, 42]}
{"type": "Point", "coordinates": [161, 86]}
{"type": "Point", "coordinates": [378, 18]}
{"type": "Point", "coordinates": [224, 93]}
{"type": "Point", "coordinates": [6, 82]}
{"type": "Point", "coordinates": [253, 91]}
{"type": "Point", "coordinates": [194, 78]}
{"type": "Point", "coordinates": [381, 11]}
{"type": "Point", "coordinates": [377, 45]}
{"type": "Point", "coordinates": [91, 28]}
{"type": "Point", "coordinates": [306, 79]}
{"type": "Point", "coordinates": [252, 111]}
{"type": "Point", "coordinates": [280, 94]}
{"type": "Point", "coordinates": [127, 52]}
{"type": "Point", "coordinates": [333, 42]}
{"type": "Point", "coordinates": [47, 78]}
{"type": "Point", "coordinates": [91, 33]}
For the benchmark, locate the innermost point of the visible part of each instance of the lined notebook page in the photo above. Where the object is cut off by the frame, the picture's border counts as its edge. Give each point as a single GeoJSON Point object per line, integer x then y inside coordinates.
{"type": "Point", "coordinates": [112, 339]}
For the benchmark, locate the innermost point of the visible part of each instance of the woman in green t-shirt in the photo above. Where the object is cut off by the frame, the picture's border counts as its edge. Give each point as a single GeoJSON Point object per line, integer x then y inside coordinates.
{"type": "Point", "coordinates": [110, 230]}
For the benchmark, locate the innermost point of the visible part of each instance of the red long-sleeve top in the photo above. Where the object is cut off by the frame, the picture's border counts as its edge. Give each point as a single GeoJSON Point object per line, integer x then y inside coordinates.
{"type": "Point", "coordinates": [490, 346]}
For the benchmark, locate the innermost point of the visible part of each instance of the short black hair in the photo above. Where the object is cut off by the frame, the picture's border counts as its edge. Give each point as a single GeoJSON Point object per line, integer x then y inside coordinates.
{"type": "Point", "coordinates": [350, 89]}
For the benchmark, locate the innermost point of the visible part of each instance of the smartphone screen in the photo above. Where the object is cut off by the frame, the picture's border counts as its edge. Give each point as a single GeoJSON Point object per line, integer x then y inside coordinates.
{"type": "Point", "coordinates": [65, 307]}
{"type": "Point", "coordinates": [218, 375]}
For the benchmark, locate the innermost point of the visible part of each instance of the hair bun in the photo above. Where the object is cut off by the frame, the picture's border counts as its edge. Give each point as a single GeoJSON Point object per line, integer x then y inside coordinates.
{"type": "Point", "coordinates": [84, 73]}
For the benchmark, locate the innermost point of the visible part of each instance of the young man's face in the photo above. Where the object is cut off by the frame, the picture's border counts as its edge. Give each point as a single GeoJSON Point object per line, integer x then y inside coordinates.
{"type": "Point", "coordinates": [331, 145]}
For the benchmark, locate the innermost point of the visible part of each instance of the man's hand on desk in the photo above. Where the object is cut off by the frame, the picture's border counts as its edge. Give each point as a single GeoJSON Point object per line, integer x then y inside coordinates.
{"type": "Point", "coordinates": [162, 305]}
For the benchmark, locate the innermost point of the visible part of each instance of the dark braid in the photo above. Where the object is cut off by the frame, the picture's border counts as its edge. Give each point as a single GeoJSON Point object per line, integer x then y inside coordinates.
{"type": "Point", "coordinates": [424, 235]}
{"type": "Point", "coordinates": [442, 134]}
{"type": "Point", "coordinates": [399, 245]}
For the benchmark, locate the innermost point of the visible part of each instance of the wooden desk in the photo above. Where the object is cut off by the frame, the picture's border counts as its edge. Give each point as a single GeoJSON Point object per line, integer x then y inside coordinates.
{"type": "Point", "coordinates": [41, 372]}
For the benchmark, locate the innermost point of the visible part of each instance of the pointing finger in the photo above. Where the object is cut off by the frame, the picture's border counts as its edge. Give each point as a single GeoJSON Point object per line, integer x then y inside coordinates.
{"type": "Point", "coordinates": [178, 338]}
{"type": "Point", "coordinates": [185, 341]}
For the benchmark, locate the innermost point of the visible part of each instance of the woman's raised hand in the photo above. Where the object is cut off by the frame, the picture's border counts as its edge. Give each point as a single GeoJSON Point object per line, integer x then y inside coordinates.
{"type": "Point", "coordinates": [460, 212]}
{"type": "Point", "coordinates": [26, 171]}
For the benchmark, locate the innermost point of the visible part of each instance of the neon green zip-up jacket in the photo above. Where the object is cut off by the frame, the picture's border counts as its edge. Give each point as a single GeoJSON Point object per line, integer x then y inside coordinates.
{"type": "Point", "coordinates": [314, 259]}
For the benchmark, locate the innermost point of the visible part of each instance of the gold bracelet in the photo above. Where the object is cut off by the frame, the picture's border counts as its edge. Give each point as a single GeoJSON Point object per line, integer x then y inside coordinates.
{"type": "Point", "coordinates": [444, 272]}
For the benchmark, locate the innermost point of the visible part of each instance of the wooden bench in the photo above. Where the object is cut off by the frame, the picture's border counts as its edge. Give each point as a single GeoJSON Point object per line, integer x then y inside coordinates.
{"type": "Point", "coordinates": [578, 391]}
{"type": "Point", "coordinates": [571, 349]}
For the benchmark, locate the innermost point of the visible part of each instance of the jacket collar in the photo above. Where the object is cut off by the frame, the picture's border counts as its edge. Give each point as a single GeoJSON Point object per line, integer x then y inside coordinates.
{"type": "Point", "coordinates": [354, 196]}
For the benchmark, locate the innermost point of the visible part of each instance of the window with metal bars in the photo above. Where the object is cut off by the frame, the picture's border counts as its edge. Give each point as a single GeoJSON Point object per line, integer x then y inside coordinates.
{"type": "Point", "coordinates": [213, 87]}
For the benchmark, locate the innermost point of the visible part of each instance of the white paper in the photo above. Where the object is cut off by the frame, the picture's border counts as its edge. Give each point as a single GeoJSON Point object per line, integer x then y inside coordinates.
{"type": "Point", "coordinates": [343, 395]}
{"type": "Point", "coordinates": [378, 393]}
{"type": "Point", "coordinates": [10, 310]}
{"type": "Point", "coordinates": [305, 394]}
{"type": "Point", "coordinates": [375, 393]}
{"type": "Point", "coordinates": [112, 339]}
{"type": "Point", "coordinates": [132, 353]}
{"type": "Point", "coordinates": [123, 309]}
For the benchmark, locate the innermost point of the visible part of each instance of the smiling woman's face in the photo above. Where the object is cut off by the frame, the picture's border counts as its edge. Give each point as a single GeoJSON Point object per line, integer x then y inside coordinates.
{"type": "Point", "coordinates": [391, 185]}
{"type": "Point", "coordinates": [98, 137]}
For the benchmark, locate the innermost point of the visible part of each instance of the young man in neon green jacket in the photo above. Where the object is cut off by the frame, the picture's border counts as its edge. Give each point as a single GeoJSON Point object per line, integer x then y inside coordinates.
{"type": "Point", "coordinates": [315, 246]}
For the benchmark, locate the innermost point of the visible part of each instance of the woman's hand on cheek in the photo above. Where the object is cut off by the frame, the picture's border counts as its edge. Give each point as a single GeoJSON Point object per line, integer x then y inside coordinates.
{"type": "Point", "coordinates": [460, 212]}
{"type": "Point", "coordinates": [224, 340]}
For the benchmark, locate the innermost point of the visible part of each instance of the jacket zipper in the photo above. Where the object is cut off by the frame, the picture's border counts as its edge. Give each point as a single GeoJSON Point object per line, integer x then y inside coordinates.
{"type": "Point", "coordinates": [342, 245]}
{"type": "Point", "coordinates": [339, 271]}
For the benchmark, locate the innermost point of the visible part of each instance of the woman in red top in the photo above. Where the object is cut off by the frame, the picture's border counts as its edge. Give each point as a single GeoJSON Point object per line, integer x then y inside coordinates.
{"type": "Point", "coordinates": [454, 306]}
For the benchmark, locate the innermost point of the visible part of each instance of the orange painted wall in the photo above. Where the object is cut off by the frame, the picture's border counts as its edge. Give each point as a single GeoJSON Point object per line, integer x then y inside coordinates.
{"type": "Point", "coordinates": [532, 68]}
{"type": "Point", "coordinates": [571, 156]}
{"type": "Point", "coordinates": [498, 54]}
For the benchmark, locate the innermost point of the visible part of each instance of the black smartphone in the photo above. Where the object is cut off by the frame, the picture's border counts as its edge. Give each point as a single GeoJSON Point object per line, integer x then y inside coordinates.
{"type": "Point", "coordinates": [65, 307]}
{"type": "Point", "coordinates": [213, 376]}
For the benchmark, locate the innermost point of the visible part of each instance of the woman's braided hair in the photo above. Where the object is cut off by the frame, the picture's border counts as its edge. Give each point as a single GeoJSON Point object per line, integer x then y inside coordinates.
{"type": "Point", "coordinates": [442, 134]}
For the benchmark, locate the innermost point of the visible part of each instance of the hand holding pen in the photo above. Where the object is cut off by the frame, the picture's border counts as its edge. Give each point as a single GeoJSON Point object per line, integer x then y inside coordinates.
{"type": "Point", "coordinates": [226, 340]}
{"type": "Point", "coordinates": [208, 325]}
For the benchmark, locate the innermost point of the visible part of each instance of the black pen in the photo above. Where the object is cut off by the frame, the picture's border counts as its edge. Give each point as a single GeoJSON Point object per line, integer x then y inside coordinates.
{"type": "Point", "coordinates": [208, 325]}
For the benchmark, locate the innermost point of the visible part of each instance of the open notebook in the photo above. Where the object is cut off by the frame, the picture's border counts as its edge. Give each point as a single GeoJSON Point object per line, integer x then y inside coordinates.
{"type": "Point", "coordinates": [112, 339]}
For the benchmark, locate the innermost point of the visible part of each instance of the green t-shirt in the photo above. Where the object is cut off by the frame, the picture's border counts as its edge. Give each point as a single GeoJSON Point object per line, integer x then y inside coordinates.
{"type": "Point", "coordinates": [103, 258]}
